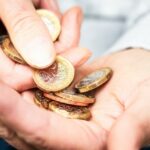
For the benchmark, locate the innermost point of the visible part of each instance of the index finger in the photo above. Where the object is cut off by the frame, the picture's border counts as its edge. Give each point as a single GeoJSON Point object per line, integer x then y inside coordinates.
{"type": "Point", "coordinates": [28, 33]}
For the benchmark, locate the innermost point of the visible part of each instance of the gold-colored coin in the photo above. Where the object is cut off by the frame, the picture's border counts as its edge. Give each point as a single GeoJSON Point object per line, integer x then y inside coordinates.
{"type": "Point", "coordinates": [2, 37]}
{"type": "Point", "coordinates": [51, 21]}
{"type": "Point", "coordinates": [56, 77]}
{"type": "Point", "coordinates": [70, 94]}
{"type": "Point", "coordinates": [37, 102]}
{"type": "Point", "coordinates": [11, 52]}
{"type": "Point", "coordinates": [40, 100]}
{"type": "Point", "coordinates": [68, 111]}
{"type": "Point", "coordinates": [94, 80]}
{"type": "Point", "coordinates": [63, 100]}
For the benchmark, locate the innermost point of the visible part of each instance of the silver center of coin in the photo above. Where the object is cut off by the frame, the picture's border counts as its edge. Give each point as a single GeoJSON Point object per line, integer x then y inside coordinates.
{"type": "Point", "coordinates": [92, 77]}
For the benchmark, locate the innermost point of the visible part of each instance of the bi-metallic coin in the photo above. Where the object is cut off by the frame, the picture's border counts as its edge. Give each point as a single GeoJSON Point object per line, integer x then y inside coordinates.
{"type": "Point", "coordinates": [55, 78]}
{"type": "Point", "coordinates": [94, 80]}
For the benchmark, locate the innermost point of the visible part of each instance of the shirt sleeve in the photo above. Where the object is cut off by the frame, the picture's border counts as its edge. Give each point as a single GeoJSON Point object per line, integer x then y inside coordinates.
{"type": "Point", "coordinates": [137, 36]}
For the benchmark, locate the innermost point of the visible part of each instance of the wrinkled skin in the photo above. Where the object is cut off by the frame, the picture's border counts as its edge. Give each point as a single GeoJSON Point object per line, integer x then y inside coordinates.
{"type": "Point", "coordinates": [19, 77]}
{"type": "Point", "coordinates": [122, 106]}
{"type": "Point", "coordinates": [121, 110]}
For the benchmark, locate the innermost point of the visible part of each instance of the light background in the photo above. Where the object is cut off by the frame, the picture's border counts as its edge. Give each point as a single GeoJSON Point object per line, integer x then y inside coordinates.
{"type": "Point", "coordinates": [105, 20]}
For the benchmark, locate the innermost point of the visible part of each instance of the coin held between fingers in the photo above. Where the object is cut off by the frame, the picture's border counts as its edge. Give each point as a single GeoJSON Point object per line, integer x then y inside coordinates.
{"type": "Point", "coordinates": [56, 77]}
{"type": "Point", "coordinates": [52, 23]}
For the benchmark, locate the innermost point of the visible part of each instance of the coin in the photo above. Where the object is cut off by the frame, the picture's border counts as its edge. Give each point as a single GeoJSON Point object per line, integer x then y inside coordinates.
{"type": "Point", "coordinates": [63, 100]}
{"type": "Point", "coordinates": [51, 21]}
{"type": "Point", "coordinates": [94, 80]}
{"type": "Point", "coordinates": [37, 102]}
{"type": "Point", "coordinates": [2, 37]}
{"type": "Point", "coordinates": [40, 100]}
{"type": "Point", "coordinates": [72, 95]}
{"type": "Point", "coordinates": [55, 78]}
{"type": "Point", "coordinates": [68, 111]}
{"type": "Point", "coordinates": [11, 52]}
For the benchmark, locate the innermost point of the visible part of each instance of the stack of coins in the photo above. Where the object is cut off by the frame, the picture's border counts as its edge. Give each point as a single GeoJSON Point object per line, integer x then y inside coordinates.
{"type": "Point", "coordinates": [53, 83]}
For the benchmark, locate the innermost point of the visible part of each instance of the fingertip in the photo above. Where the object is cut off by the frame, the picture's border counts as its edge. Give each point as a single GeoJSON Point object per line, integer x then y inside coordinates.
{"type": "Point", "coordinates": [75, 10]}
{"type": "Point", "coordinates": [28, 33]}
{"type": "Point", "coordinates": [87, 55]}
{"type": "Point", "coordinates": [77, 56]}
{"type": "Point", "coordinates": [71, 26]}
{"type": "Point", "coordinates": [74, 15]}
{"type": "Point", "coordinates": [38, 52]}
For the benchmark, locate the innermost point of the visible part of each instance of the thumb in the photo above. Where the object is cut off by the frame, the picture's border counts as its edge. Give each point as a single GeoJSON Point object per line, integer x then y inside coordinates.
{"type": "Point", "coordinates": [127, 134]}
{"type": "Point", "coordinates": [28, 33]}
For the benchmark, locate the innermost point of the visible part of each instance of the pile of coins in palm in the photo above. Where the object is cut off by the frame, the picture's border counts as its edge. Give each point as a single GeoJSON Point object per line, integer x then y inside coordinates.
{"type": "Point", "coordinates": [53, 83]}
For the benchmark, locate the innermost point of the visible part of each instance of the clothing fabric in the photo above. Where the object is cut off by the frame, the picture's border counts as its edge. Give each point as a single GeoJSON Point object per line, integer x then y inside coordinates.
{"type": "Point", "coordinates": [112, 25]}
{"type": "Point", "coordinates": [5, 146]}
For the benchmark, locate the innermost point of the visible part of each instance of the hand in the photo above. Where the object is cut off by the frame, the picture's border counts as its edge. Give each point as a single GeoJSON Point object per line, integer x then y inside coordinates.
{"type": "Point", "coordinates": [25, 28]}
{"type": "Point", "coordinates": [122, 107]}
{"type": "Point", "coordinates": [19, 77]}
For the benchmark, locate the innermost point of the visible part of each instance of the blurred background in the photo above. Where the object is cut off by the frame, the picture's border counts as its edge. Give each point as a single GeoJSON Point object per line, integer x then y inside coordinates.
{"type": "Point", "coordinates": [106, 20]}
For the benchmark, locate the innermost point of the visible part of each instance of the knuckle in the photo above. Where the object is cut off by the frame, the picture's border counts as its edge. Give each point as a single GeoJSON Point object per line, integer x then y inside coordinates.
{"type": "Point", "coordinates": [23, 21]}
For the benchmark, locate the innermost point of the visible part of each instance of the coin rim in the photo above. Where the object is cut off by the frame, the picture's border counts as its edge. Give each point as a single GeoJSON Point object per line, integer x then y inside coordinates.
{"type": "Point", "coordinates": [2, 37]}
{"type": "Point", "coordinates": [86, 88]}
{"type": "Point", "coordinates": [70, 115]}
{"type": "Point", "coordinates": [63, 100]}
{"type": "Point", "coordinates": [9, 53]}
{"type": "Point", "coordinates": [51, 16]}
{"type": "Point", "coordinates": [75, 98]}
{"type": "Point", "coordinates": [66, 83]}
{"type": "Point", "coordinates": [36, 101]}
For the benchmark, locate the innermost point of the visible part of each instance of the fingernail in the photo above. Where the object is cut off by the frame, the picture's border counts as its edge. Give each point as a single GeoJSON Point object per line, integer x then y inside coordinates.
{"type": "Point", "coordinates": [86, 57]}
{"type": "Point", "coordinates": [39, 53]}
